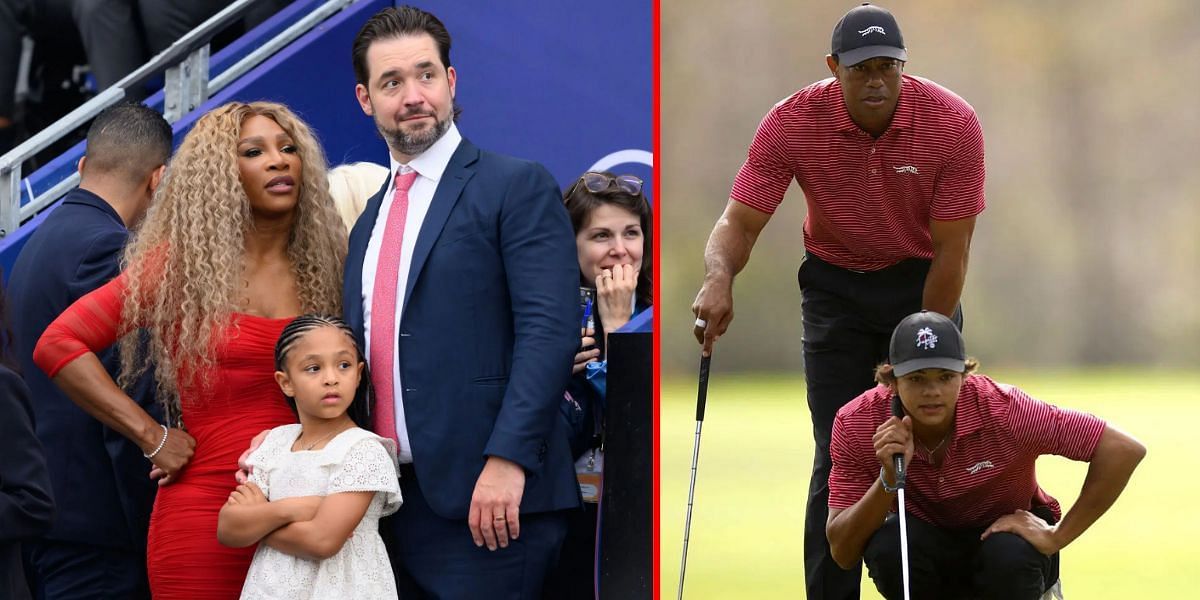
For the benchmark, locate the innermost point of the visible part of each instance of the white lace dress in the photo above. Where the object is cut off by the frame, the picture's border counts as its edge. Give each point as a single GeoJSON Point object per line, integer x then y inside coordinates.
{"type": "Point", "coordinates": [354, 461]}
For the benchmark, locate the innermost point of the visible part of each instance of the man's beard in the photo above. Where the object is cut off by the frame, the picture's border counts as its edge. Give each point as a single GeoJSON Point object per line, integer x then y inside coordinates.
{"type": "Point", "coordinates": [412, 144]}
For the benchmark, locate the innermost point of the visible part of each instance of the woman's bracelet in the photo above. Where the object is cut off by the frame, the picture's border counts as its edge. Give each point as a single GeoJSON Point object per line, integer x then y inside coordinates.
{"type": "Point", "coordinates": [160, 444]}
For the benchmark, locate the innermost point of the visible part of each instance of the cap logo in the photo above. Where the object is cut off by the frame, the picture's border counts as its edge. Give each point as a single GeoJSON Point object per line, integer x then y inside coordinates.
{"type": "Point", "coordinates": [926, 339]}
{"type": "Point", "coordinates": [872, 29]}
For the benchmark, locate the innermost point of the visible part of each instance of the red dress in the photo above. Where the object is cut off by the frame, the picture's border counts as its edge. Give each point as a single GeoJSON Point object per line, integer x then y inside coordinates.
{"type": "Point", "coordinates": [183, 557]}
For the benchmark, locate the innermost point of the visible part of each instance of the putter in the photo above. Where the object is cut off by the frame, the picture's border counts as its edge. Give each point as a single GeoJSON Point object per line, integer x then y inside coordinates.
{"type": "Point", "coordinates": [701, 397]}
{"type": "Point", "coordinates": [898, 411]}
{"type": "Point", "coordinates": [903, 540]}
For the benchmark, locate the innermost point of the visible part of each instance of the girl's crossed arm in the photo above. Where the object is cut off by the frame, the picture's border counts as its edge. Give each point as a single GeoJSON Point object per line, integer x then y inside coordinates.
{"type": "Point", "coordinates": [323, 535]}
{"type": "Point", "coordinates": [248, 516]}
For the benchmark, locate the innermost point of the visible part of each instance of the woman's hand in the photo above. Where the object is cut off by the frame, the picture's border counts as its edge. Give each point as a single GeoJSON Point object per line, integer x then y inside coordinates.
{"type": "Point", "coordinates": [614, 295]}
{"type": "Point", "coordinates": [175, 454]}
{"type": "Point", "coordinates": [589, 352]}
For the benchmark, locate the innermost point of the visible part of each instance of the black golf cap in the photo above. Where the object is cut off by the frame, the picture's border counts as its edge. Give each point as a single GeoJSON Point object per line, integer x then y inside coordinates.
{"type": "Point", "coordinates": [926, 340]}
{"type": "Point", "coordinates": [867, 32]}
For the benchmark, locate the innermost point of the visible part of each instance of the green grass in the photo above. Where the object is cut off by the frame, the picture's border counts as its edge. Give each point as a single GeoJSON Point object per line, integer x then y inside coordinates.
{"type": "Point", "coordinates": [756, 456]}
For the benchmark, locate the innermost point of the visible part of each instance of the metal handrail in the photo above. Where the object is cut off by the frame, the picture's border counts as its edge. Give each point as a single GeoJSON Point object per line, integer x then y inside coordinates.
{"type": "Point", "coordinates": [172, 55]}
{"type": "Point", "coordinates": [275, 44]}
{"type": "Point", "coordinates": [189, 48]}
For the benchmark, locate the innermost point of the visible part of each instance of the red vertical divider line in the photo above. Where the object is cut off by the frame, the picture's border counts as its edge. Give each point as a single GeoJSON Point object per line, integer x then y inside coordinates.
{"type": "Point", "coordinates": [656, 124]}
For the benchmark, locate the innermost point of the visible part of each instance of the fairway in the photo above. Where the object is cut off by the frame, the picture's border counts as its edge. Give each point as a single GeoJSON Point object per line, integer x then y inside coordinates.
{"type": "Point", "coordinates": [756, 456]}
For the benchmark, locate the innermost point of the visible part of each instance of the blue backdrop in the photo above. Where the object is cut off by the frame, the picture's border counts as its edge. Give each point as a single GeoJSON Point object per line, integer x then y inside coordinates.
{"type": "Point", "coordinates": [567, 84]}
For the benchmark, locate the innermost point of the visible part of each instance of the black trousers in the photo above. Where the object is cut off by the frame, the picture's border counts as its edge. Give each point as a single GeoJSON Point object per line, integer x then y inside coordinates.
{"type": "Point", "coordinates": [947, 564]}
{"type": "Point", "coordinates": [848, 322]}
{"type": "Point", "coordinates": [574, 577]}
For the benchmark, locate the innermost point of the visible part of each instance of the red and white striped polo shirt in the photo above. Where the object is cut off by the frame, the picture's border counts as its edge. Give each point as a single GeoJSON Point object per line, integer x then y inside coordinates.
{"type": "Point", "coordinates": [869, 200]}
{"type": "Point", "coordinates": [988, 470]}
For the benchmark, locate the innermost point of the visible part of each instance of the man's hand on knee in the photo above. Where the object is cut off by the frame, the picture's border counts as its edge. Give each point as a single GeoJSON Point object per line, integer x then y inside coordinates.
{"type": "Point", "coordinates": [1030, 527]}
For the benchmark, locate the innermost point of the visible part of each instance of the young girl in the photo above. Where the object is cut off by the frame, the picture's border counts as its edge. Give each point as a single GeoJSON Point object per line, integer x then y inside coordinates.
{"type": "Point", "coordinates": [318, 488]}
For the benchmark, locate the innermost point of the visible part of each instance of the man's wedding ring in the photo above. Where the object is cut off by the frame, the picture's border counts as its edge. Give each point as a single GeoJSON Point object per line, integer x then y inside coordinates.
{"type": "Point", "coordinates": [701, 323]}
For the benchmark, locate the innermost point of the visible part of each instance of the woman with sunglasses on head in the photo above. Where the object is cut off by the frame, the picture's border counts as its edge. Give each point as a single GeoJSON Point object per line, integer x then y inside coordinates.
{"type": "Point", "coordinates": [611, 217]}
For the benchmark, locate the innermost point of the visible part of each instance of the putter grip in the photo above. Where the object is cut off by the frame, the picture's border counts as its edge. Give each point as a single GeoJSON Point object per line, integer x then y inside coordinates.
{"type": "Point", "coordinates": [702, 395]}
{"type": "Point", "coordinates": [898, 458]}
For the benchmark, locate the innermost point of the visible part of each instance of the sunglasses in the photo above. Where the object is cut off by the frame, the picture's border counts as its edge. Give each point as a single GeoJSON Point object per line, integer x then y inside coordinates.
{"type": "Point", "coordinates": [599, 182]}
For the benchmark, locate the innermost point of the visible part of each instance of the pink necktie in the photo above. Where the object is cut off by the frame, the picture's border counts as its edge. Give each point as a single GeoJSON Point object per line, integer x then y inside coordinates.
{"type": "Point", "coordinates": [383, 308]}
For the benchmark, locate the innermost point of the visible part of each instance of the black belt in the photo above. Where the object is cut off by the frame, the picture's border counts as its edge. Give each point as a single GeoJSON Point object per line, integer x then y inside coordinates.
{"type": "Point", "coordinates": [903, 271]}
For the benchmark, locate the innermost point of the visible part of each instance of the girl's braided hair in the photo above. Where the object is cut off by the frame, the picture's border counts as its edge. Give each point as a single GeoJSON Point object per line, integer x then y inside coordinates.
{"type": "Point", "coordinates": [360, 408]}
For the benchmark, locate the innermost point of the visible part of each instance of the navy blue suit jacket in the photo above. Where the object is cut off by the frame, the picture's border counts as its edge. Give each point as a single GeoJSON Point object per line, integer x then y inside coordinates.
{"type": "Point", "coordinates": [489, 332]}
{"type": "Point", "coordinates": [100, 478]}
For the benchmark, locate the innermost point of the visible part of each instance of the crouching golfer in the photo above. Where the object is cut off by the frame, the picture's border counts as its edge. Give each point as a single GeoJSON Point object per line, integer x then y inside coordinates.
{"type": "Point", "coordinates": [978, 523]}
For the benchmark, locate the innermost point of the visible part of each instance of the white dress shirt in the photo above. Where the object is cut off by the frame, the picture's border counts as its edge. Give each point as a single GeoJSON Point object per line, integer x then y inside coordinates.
{"type": "Point", "coordinates": [430, 166]}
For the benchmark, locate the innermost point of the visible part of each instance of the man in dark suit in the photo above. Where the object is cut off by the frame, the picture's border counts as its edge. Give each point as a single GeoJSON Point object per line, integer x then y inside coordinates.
{"type": "Point", "coordinates": [96, 548]}
{"type": "Point", "coordinates": [461, 279]}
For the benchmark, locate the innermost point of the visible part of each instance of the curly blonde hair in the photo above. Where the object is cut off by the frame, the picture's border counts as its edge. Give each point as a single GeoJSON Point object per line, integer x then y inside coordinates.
{"type": "Point", "coordinates": [184, 265]}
